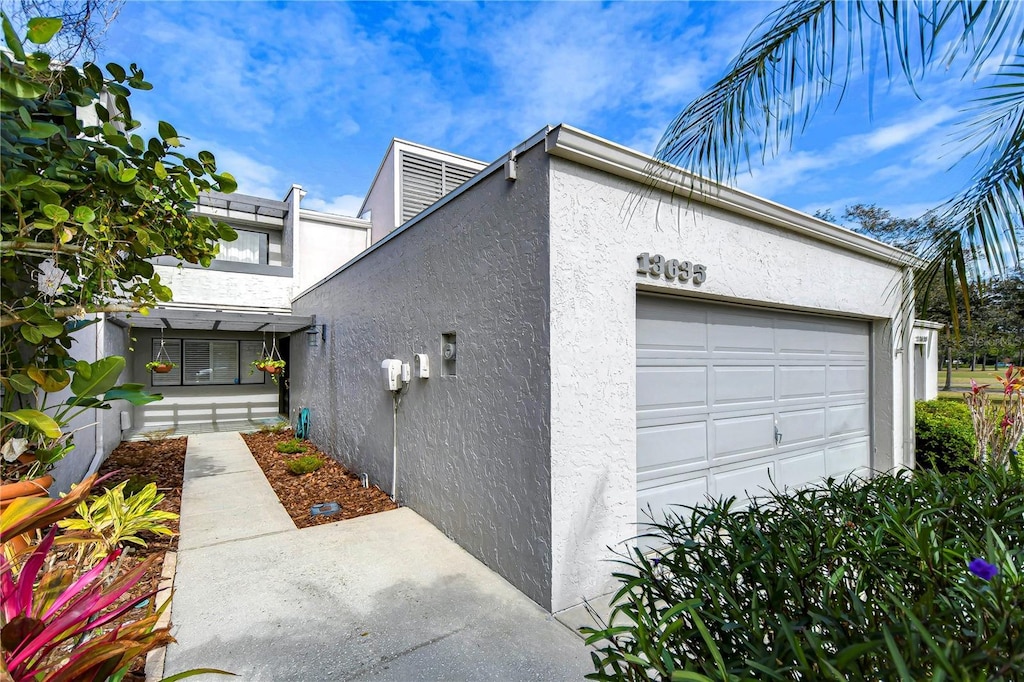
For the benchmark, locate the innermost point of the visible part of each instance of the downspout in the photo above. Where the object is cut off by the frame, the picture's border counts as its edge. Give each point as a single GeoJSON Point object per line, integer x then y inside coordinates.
{"type": "Point", "coordinates": [907, 315]}
{"type": "Point", "coordinates": [98, 454]}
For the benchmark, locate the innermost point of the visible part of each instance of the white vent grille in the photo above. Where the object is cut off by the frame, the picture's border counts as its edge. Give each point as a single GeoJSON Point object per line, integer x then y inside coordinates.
{"type": "Point", "coordinates": [425, 180]}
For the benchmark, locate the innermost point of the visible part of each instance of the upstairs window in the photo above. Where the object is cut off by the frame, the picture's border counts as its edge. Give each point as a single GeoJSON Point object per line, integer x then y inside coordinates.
{"type": "Point", "coordinates": [250, 247]}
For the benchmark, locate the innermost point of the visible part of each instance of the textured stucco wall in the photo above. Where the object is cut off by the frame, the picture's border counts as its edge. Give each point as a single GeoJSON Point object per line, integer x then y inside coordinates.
{"type": "Point", "coordinates": [594, 243]}
{"type": "Point", "coordinates": [198, 404]}
{"type": "Point", "coordinates": [227, 290]}
{"type": "Point", "coordinates": [97, 432]}
{"type": "Point", "coordinates": [324, 247]}
{"type": "Point", "coordinates": [474, 448]}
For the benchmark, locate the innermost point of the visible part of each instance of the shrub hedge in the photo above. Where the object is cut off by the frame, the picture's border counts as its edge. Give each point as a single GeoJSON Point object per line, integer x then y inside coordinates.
{"type": "Point", "coordinates": [944, 435]}
{"type": "Point", "coordinates": [846, 580]}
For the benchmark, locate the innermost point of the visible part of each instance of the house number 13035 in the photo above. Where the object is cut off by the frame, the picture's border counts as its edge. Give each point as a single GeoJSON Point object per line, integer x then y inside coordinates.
{"type": "Point", "coordinates": [657, 266]}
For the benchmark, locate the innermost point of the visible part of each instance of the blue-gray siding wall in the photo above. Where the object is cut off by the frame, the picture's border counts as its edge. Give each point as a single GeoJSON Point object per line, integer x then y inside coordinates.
{"type": "Point", "coordinates": [473, 449]}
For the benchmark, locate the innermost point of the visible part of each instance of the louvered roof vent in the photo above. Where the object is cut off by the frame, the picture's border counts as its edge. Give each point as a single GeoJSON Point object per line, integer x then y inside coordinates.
{"type": "Point", "coordinates": [425, 180]}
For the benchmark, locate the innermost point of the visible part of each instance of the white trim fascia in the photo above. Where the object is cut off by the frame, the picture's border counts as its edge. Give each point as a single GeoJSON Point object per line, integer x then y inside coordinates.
{"type": "Point", "coordinates": [928, 324]}
{"type": "Point", "coordinates": [335, 219]}
{"type": "Point", "coordinates": [590, 150]}
{"type": "Point", "coordinates": [535, 139]}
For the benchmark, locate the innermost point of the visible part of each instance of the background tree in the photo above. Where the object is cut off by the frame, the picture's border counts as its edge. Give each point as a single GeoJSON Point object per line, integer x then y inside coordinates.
{"type": "Point", "coordinates": [808, 51]}
{"type": "Point", "coordinates": [85, 203]}
{"type": "Point", "coordinates": [83, 24]}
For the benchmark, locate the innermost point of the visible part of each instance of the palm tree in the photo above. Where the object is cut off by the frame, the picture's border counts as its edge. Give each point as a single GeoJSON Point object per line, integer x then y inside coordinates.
{"type": "Point", "coordinates": [808, 51]}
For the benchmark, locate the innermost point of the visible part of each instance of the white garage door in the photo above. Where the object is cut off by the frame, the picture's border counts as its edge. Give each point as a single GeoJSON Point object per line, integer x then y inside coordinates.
{"type": "Point", "coordinates": [731, 399]}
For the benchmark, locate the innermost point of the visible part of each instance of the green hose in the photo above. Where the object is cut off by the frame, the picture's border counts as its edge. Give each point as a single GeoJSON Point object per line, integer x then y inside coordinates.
{"type": "Point", "coordinates": [302, 425]}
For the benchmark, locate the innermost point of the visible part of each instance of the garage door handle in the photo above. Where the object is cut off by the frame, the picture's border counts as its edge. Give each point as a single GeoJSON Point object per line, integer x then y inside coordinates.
{"type": "Point", "coordinates": [778, 436]}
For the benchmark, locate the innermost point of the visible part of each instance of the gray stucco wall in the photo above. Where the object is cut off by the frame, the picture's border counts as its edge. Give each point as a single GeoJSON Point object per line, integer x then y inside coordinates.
{"type": "Point", "coordinates": [473, 449]}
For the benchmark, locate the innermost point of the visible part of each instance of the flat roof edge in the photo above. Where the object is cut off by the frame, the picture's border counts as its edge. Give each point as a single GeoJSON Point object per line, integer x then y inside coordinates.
{"type": "Point", "coordinates": [590, 150]}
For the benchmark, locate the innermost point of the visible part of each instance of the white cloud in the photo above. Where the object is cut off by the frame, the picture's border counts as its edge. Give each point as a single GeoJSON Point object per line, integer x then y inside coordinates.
{"type": "Point", "coordinates": [347, 204]}
{"type": "Point", "coordinates": [900, 133]}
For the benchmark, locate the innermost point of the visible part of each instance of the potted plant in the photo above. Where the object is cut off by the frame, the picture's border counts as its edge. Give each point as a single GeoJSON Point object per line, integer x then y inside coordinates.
{"type": "Point", "coordinates": [160, 366]}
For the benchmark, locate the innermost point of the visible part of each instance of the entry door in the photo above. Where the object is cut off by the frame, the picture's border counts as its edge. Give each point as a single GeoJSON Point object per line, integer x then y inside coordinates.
{"type": "Point", "coordinates": [734, 400]}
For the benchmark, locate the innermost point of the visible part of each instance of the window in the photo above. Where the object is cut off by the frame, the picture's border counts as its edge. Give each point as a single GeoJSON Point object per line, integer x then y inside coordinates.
{"type": "Point", "coordinates": [208, 362]}
{"type": "Point", "coordinates": [250, 247]}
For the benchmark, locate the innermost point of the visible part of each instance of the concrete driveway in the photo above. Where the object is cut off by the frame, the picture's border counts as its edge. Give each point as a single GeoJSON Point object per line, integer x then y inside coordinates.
{"type": "Point", "coordinates": [381, 597]}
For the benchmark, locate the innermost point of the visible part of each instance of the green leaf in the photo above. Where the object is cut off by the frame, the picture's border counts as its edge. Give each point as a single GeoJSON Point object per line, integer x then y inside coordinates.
{"type": "Point", "coordinates": [21, 383]}
{"type": "Point", "coordinates": [167, 131]}
{"type": "Point", "coordinates": [160, 170]}
{"type": "Point", "coordinates": [135, 396]}
{"type": "Point", "coordinates": [98, 377]}
{"type": "Point", "coordinates": [42, 29]}
{"type": "Point", "coordinates": [127, 175]}
{"type": "Point", "coordinates": [12, 40]}
{"type": "Point", "coordinates": [58, 214]}
{"type": "Point", "coordinates": [31, 334]}
{"type": "Point", "coordinates": [38, 61]}
{"type": "Point", "coordinates": [20, 88]}
{"type": "Point", "coordinates": [84, 214]}
{"type": "Point", "coordinates": [196, 671]}
{"type": "Point", "coordinates": [226, 182]}
{"type": "Point", "coordinates": [42, 130]}
{"type": "Point", "coordinates": [117, 71]}
{"type": "Point", "coordinates": [37, 420]}
{"type": "Point", "coordinates": [226, 232]}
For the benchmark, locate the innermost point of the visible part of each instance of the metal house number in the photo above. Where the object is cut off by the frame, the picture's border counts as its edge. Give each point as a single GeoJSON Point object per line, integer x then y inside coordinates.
{"type": "Point", "coordinates": [672, 269]}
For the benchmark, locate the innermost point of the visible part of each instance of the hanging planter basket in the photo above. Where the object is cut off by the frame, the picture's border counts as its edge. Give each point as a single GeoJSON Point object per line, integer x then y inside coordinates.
{"type": "Point", "coordinates": [161, 364]}
{"type": "Point", "coordinates": [160, 367]}
{"type": "Point", "coordinates": [269, 361]}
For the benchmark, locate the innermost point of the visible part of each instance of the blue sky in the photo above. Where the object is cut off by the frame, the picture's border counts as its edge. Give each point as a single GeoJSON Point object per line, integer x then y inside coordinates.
{"type": "Point", "coordinates": [312, 92]}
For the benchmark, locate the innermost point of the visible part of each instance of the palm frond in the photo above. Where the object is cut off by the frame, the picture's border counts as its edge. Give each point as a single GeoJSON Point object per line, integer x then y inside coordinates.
{"type": "Point", "coordinates": [985, 220]}
{"type": "Point", "coordinates": [808, 51]}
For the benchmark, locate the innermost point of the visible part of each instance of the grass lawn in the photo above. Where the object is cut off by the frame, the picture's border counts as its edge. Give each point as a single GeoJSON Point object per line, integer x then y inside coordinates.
{"type": "Point", "coordinates": [962, 382]}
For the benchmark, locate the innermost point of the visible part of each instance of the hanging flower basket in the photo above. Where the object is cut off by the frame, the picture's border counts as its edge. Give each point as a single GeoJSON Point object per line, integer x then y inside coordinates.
{"type": "Point", "coordinates": [268, 365]}
{"type": "Point", "coordinates": [160, 367]}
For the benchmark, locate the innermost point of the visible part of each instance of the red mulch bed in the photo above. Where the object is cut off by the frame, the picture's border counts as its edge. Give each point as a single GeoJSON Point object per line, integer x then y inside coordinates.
{"type": "Point", "coordinates": [161, 462]}
{"type": "Point", "coordinates": [330, 483]}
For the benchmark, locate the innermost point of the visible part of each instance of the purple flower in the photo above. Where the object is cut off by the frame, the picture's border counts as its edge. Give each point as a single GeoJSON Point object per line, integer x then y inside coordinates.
{"type": "Point", "coordinates": [983, 569]}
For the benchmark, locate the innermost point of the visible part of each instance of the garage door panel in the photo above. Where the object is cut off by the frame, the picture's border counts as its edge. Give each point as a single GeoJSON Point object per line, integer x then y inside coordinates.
{"type": "Point", "coordinates": [712, 428]}
{"type": "Point", "coordinates": [848, 340]}
{"type": "Point", "coordinates": [662, 389]}
{"type": "Point", "coordinates": [664, 329]}
{"type": "Point", "coordinates": [853, 457]}
{"type": "Point", "coordinates": [801, 339]}
{"type": "Point", "coordinates": [736, 386]}
{"type": "Point", "coordinates": [734, 333]}
{"type": "Point", "coordinates": [670, 449]}
{"type": "Point", "coordinates": [744, 482]}
{"type": "Point", "coordinates": [845, 420]}
{"type": "Point", "coordinates": [847, 380]}
{"type": "Point", "coordinates": [801, 426]}
{"type": "Point", "coordinates": [799, 470]}
{"type": "Point", "coordinates": [802, 382]}
{"type": "Point", "coordinates": [743, 435]}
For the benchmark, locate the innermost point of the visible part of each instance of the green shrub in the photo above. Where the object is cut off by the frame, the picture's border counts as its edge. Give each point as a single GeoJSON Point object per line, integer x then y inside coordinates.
{"type": "Point", "coordinates": [291, 447]}
{"type": "Point", "coordinates": [305, 464]}
{"type": "Point", "coordinates": [944, 436]}
{"type": "Point", "coordinates": [843, 581]}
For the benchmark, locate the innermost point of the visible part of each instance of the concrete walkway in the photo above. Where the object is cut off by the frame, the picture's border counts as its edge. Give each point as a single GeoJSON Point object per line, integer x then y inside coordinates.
{"type": "Point", "coordinates": [381, 597]}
